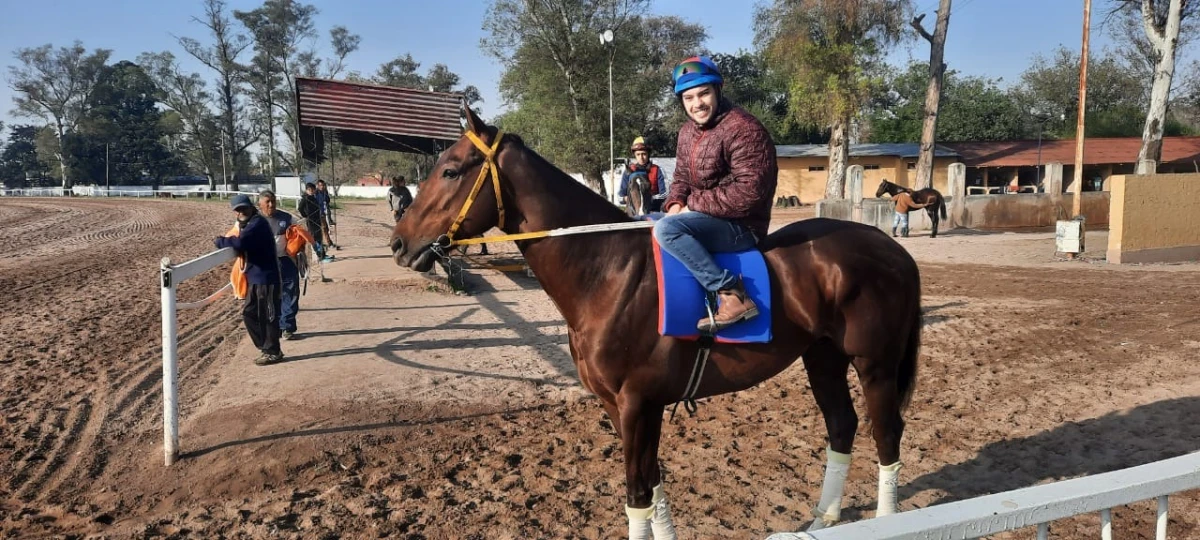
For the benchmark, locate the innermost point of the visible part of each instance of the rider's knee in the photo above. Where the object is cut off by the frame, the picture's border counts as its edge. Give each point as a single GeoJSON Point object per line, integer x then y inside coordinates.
{"type": "Point", "coordinates": [665, 229]}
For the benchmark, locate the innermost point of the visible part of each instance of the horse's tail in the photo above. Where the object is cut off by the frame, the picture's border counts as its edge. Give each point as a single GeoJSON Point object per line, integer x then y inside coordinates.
{"type": "Point", "coordinates": [906, 380]}
{"type": "Point", "coordinates": [942, 206]}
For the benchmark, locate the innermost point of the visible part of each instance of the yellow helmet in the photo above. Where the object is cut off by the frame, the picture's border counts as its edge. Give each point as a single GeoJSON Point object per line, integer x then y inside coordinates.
{"type": "Point", "coordinates": [639, 144]}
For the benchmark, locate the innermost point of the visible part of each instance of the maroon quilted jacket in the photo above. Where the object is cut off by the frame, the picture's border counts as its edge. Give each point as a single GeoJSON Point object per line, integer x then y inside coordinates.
{"type": "Point", "coordinates": [727, 169]}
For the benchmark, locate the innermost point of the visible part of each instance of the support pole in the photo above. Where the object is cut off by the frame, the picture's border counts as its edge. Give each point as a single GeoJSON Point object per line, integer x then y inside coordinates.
{"type": "Point", "coordinates": [170, 366]}
{"type": "Point", "coordinates": [1077, 204]}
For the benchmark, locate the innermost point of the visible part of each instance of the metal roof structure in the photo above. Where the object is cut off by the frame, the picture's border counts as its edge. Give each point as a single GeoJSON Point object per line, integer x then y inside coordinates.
{"type": "Point", "coordinates": [903, 150]}
{"type": "Point", "coordinates": [1096, 151]}
{"type": "Point", "coordinates": [374, 116]}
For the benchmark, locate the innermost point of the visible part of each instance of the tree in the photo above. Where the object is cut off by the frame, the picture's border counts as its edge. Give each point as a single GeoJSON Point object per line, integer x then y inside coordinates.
{"type": "Point", "coordinates": [556, 74]}
{"type": "Point", "coordinates": [831, 53]}
{"type": "Point", "coordinates": [185, 95]}
{"type": "Point", "coordinates": [280, 28]}
{"type": "Point", "coordinates": [122, 135]}
{"type": "Point", "coordinates": [933, 94]}
{"type": "Point", "coordinates": [19, 160]}
{"type": "Point", "coordinates": [222, 57]}
{"type": "Point", "coordinates": [1116, 96]}
{"type": "Point", "coordinates": [1161, 20]}
{"type": "Point", "coordinates": [54, 85]}
{"type": "Point", "coordinates": [750, 83]}
{"type": "Point", "coordinates": [972, 109]}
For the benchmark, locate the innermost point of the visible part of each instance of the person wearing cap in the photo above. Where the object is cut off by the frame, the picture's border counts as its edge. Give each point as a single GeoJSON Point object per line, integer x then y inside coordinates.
{"type": "Point", "coordinates": [290, 239]}
{"type": "Point", "coordinates": [720, 200]}
{"type": "Point", "coordinates": [260, 309]}
{"type": "Point", "coordinates": [643, 166]}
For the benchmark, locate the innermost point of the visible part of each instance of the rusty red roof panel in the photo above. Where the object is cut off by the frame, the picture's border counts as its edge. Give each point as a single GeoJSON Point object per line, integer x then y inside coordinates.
{"type": "Point", "coordinates": [1096, 151]}
{"type": "Point", "coordinates": [378, 109]}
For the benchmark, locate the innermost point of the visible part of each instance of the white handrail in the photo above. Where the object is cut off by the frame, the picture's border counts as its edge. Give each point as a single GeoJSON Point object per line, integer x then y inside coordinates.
{"type": "Point", "coordinates": [1027, 507]}
{"type": "Point", "coordinates": [170, 276]}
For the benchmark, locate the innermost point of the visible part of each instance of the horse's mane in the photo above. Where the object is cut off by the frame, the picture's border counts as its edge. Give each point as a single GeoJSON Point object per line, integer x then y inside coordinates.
{"type": "Point", "coordinates": [576, 197]}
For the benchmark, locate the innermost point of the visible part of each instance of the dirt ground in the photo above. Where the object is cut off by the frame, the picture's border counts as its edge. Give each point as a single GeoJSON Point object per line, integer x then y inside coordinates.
{"type": "Point", "coordinates": [408, 412]}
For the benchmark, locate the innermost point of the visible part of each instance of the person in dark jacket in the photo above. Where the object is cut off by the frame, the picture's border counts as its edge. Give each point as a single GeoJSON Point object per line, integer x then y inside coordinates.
{"type": "Point", "coordinates": [720, 201]}
{"type": "Point", "coordinates": [310, 212]}
{"type": "Point", "coordinates": [260, 310]}
{"type": "Point", "coordinates": [325, 203]}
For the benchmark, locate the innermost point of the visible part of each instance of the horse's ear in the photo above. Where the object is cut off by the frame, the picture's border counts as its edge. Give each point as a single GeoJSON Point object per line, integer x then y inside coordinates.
{"type": "Point", "coordinates": [474, 123]}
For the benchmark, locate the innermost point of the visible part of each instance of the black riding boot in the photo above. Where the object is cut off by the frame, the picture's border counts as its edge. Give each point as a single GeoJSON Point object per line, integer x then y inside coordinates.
{"type": "Point", "coordinates": [904, 232]}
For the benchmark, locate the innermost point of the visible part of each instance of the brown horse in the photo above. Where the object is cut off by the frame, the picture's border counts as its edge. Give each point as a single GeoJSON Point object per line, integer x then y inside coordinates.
{"type": "Point", "coordinates": [844, 293]}
{"type": "Point", "coordinates": [928, 196]}
{"type": "Point", "coordinates": [639, 194]}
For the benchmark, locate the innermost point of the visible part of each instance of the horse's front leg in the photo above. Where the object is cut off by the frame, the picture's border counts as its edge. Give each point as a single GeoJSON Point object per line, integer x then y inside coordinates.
{"type": "Point", "coordinates": [646, 501]}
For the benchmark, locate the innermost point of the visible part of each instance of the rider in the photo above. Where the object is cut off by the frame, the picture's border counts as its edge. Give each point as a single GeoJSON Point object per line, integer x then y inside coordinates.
{"type": "Point", "coordinates": [725, 176]}
{"type": "Point", "coordinates": [658, 181]}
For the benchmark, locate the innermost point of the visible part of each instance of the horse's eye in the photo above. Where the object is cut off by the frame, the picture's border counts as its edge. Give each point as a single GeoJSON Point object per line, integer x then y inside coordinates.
{"type": "Point", "coordinates": [450, 174]}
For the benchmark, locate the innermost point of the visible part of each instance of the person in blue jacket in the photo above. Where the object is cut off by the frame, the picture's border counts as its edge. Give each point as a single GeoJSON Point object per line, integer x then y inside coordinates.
{"type": "Point", "coordinates": [260, 310]}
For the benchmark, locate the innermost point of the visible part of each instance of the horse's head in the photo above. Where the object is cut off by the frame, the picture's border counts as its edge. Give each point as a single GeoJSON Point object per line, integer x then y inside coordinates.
{"type": "Point", "coordinates": [883, 188]}
{"type": "Point", "coordinates": [442, 201]}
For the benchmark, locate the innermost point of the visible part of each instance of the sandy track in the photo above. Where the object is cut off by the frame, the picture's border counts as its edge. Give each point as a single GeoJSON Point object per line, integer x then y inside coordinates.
{"type": "Point", "coordinates": [1029, 374]}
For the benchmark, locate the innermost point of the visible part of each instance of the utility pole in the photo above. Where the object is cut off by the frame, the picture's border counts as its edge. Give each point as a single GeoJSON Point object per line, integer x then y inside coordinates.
{"type": "Point", "coordinates": [1077, 199]}
{"type": "Point", "coordinates": [107, 184]}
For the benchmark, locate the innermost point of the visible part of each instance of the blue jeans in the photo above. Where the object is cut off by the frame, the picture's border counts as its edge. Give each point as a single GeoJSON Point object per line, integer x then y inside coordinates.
{"type": "Point", "coordinates": [901, 220]}
{"type": "Point", "coordinates": [692, 236]}
{"type": "Point", "coordinates": [289, 294]}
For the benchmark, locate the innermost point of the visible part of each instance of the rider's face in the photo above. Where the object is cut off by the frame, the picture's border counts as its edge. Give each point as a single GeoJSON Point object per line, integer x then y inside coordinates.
{"type": "Point", "coordinates": [700, 103]}
{"type": "Point", "coordinates": [642, 157]}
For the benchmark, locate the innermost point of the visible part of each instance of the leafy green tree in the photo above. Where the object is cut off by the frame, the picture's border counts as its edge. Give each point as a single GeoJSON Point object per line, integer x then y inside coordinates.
{"type": "Point", "coordinates": [54, 86]}
{"type": "Point", "coordinates": [223, 57]}
{"type": "Point", "coordinates": [831, 53]}
{"type": "Point", "coordinates": [19, 160]}
{"type": "Point", "coordinates": [556, 75]}
{"type": "Point", "coordinates": [122, 136]}
{"type": "Point", "coordinates": [972, 109]}
{"type": "Point", "coordinates": [184, 94]}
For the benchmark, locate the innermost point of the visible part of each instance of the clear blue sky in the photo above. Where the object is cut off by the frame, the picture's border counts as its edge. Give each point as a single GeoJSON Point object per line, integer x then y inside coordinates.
{"type": "Point", "coordinates": [994, 38]}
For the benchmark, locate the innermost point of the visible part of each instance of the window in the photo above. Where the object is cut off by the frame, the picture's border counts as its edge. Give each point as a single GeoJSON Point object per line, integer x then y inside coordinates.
{"type": "Point", "coordinates": [912, 165]}
{"type": "Point", "coordinates": [870, 167]}
{"type": "Point", "coordinates": [816, 168]}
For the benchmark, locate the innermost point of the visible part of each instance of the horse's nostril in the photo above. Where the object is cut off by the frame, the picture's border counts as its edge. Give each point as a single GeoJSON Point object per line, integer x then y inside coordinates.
{"type": "Point", "coordinates": [397, 245]}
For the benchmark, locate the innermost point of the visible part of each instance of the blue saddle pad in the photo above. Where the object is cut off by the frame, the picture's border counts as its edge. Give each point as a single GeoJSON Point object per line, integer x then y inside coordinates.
{"type": "Point", "coordinates": [681, 298]}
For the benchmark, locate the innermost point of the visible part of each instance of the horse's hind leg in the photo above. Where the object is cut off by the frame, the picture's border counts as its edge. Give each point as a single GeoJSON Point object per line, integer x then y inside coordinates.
{"type": "Point", "coordinates": [826, 366]}
{"type": "Point", "coordinates": [933, 218]}
{"type": "Point", "coordinates": [879, 383]}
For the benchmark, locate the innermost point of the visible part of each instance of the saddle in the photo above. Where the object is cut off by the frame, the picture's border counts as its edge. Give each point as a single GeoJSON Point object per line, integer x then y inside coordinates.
{"type": "Point", "coordinates": [682, 300]}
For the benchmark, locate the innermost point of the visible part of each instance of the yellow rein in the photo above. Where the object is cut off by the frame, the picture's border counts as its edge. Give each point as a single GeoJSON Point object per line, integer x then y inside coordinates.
{"type": "Point", "coordinates": [489, 166]}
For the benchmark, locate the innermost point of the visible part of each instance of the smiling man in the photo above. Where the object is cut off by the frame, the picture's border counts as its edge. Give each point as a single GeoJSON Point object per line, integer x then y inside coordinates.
{"type": "Point", "coordinates": [725, 176]}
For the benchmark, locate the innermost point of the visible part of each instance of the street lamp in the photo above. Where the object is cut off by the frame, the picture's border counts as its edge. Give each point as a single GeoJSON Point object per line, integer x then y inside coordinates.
{"type": "Point", "coordinates": [606, 38]}
{"type": "Point", "coordinates": [1041, 119]}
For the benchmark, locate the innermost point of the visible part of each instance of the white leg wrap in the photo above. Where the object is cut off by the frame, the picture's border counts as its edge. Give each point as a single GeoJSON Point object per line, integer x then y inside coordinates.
{"type": "Point", "coordinates": [889, 478]}
{"type": "Point", "coordinates": [639, 522]}
{"type": "Point", "coordinates": [829, 510]}
{"type": "Point", "coordinates": [664, 528]}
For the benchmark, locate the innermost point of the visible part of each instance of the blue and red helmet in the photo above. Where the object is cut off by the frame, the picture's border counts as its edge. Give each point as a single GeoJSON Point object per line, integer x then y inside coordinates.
{"type": "Point", "coordinates": [695, 71]}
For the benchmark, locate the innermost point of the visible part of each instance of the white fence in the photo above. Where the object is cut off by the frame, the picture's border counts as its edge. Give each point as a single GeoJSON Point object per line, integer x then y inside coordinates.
{"type": "Point", "coordinates": [170, 278]}
{"type": "Point", "coordinates": [1029, 507]}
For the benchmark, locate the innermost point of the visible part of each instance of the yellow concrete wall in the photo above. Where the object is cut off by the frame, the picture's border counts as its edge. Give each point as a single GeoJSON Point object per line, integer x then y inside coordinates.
{"type": "Point", "coordinates": [809, 186]}
{"type": "Point", "coordinates": [1154, 218]}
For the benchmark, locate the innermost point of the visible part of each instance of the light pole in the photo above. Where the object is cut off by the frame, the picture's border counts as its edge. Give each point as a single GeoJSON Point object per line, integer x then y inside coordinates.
{"type": "Point", "coordinates": [607, 38]}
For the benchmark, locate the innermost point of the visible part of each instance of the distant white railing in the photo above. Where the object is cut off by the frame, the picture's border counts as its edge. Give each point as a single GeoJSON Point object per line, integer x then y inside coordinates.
{"type": "Point", "coordinates": [1028, 507]}
{"type": "Point", "coordinates": [170, 276]}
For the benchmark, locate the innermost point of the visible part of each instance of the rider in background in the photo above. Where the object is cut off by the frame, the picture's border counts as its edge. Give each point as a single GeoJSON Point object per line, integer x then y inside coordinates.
{"type": "Point", "coordinates": [720, 201]}
{"type": "Point", "coordinates": [642, 164]}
